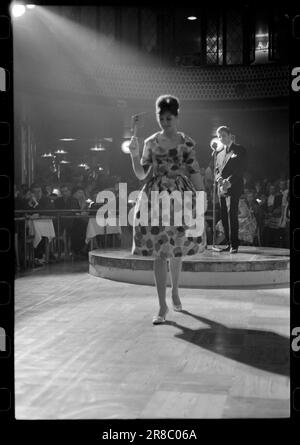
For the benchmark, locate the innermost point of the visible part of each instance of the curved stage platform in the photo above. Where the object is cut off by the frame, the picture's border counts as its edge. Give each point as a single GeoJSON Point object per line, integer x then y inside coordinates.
{"type": "Point", "coordinates": [251, 267]}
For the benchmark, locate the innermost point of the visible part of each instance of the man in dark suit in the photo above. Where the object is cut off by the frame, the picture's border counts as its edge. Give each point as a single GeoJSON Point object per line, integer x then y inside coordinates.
{"type": "Point", "coordinates": [39, 201]}
{"type": "Point", "coordinates": [230, 166]}
{"type": "Point", "coordinates": [66, 201]}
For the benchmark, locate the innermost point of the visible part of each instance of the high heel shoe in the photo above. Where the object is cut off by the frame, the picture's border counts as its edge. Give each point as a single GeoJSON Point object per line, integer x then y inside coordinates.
{"type": "Point", "coordinates": [160, 319]}
{"type": "Point", "coordinates": [177, 307]}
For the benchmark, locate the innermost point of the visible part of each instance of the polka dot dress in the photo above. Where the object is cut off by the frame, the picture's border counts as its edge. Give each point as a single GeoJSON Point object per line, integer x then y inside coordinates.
{"type": "Point", "coordinates": [159, 228]}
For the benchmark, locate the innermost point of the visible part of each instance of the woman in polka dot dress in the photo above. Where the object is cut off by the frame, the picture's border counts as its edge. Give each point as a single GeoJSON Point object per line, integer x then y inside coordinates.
{"type": "Point", "coordinates": [171, 154]}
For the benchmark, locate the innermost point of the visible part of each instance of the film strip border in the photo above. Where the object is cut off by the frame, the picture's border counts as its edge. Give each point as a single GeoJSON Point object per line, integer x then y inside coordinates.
{"type": "Point", "coordinates": [295, 217]}
{"type": "Point", "coordinates": [6, 218]}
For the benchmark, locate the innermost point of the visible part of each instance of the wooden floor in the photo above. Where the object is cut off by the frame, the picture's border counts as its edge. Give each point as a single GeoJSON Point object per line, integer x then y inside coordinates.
{"type": "Point", "coordinates": [85, 348]}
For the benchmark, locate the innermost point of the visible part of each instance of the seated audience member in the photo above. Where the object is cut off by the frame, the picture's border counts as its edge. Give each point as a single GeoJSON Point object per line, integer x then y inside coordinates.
{"type": "Point", "coordinates": [23, 189]}
{"type": "Point", "coordinates": [66, 201]}
{"type": "Point", "coordinates": [39, 201]}
{"type": "Point", "coordinates": [53, 197]}
{"type": "Point", "coordinates": [252, 202]}
{"type": "Point", "coordinates": [19, 202]}
{"type": "Point", "coordinates": [282, 186]}
{"type": "Point", "coordinates": [258, 189]}
{"type": "Point", "coordinates": [26, 201]}
{"type": "Point", "coordinates": [284, 225]}
{"type": "Point", "coordinates": [258, 211]}
{"type": "Point", "coordinates": [273, 217]}
{"type": "Point", "coordinates": [47, 190]}
{"type": "Point", "coordinates": [247, 220]}
{"type": "Point", "coordinates": [79, 194]}
{"type": "Point", "coordinates": [89, 189]}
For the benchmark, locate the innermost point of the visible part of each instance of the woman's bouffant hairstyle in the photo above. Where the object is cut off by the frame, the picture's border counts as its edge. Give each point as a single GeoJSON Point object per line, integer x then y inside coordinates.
{"type": "Point", "coordinates": [167, 103]}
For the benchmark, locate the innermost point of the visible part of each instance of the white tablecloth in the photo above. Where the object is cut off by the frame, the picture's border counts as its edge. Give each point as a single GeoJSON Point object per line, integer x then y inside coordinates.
{"type": "Point", "coordinates": [39, 228]}
{"type": "Point", "coordinates": [93, 229]}
{"type": "Point", "coordinates": [113, 229]}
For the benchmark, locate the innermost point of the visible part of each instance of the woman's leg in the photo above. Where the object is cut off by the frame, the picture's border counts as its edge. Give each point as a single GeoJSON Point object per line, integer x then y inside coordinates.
{"type": "Point", "coordinates": [175, 269]}
{"type": "Point", "coordinates": [160, 276]}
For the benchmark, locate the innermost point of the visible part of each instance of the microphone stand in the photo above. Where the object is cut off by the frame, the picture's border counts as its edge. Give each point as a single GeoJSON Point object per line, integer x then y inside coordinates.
{"type": "Point", "coordinates": [214, 247]}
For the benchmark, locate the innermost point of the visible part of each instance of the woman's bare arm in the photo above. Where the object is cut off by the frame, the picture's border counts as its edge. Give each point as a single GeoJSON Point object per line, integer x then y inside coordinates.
{"type": "Point", "coordinates": [138, 169]}
{"type": "Point", "coordinates": [197, 180]}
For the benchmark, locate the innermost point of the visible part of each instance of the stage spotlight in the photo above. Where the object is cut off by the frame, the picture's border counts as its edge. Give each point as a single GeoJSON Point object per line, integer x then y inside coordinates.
{"type": "Point", "coordinates": [192, 17]}
{"type": "Point", "coordinates": [125, 146]}
{"type": "Point", "coordinates": [18, 9]}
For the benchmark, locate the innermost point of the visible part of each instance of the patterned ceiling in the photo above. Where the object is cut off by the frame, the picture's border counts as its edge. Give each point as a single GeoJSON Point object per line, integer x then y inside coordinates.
{"type": "Point", "coordinates": [193, 84]}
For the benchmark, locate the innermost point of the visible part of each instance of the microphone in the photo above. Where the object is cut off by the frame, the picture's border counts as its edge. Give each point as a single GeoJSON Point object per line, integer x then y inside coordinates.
{"type": "Point", "coordinates": [216, 145]}
{"type": "Point", "coordinates": [135, 124]}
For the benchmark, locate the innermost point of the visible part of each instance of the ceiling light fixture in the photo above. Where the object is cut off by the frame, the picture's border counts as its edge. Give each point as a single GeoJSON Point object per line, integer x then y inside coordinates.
{"type": "Point", "coordinates": [97, 148]}
{"type": "Point", "coordinates": [18, 9]}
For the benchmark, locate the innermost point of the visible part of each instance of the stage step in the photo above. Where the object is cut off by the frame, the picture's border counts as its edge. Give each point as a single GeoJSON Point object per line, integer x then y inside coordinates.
{"type": "Point", "coordinates": [250, 267]}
